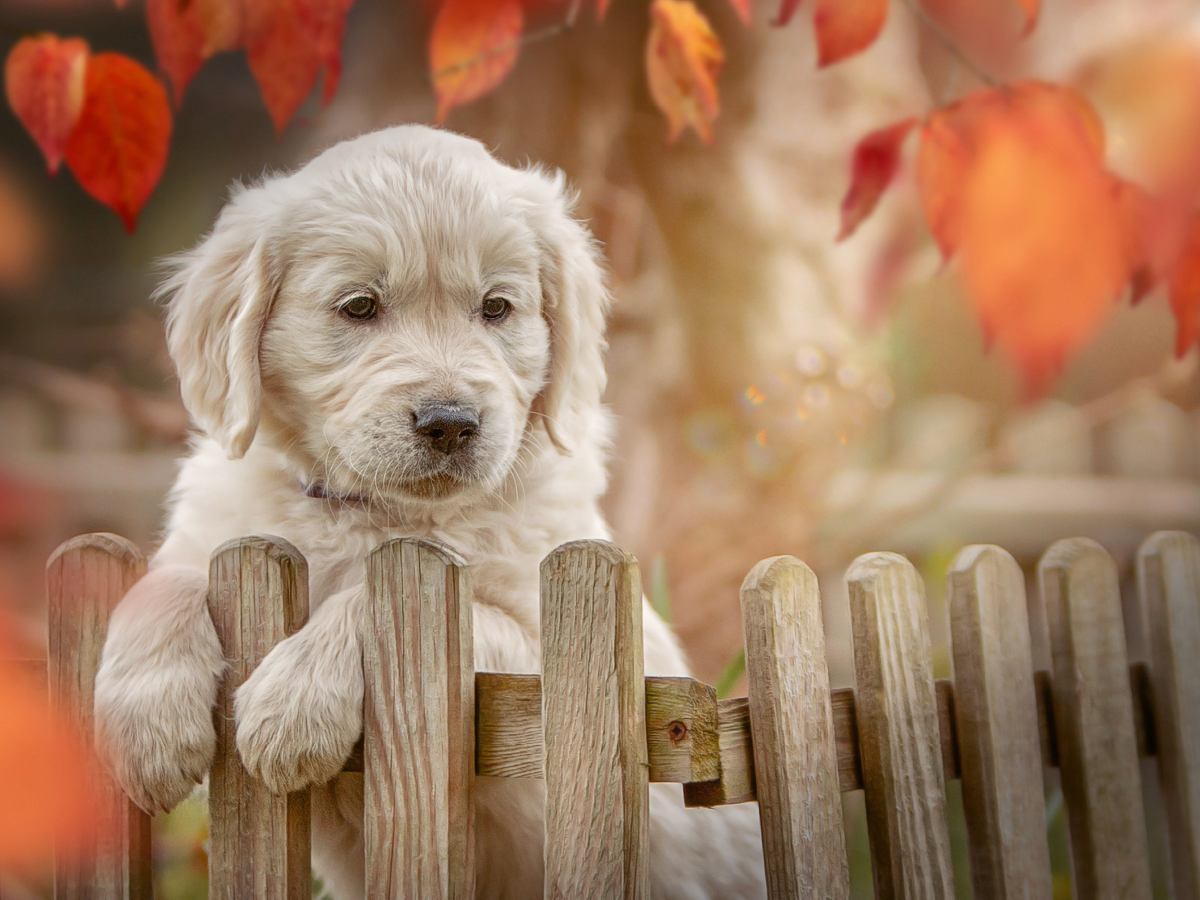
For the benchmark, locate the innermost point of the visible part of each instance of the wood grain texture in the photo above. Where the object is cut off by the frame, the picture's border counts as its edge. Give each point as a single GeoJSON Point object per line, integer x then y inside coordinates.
{"type": "Point", "coordinates": [736, 781]}
{"type": "Point", "coordinates": [1168, 569]}
{"type": "Point", "coordinates": [997, 723]}
{"type": "Point", "coordinates": [899, 739]}
{"type": "Point", "coordinates": [508, 726]}
{"type": "Point", "coordinates": [419, 723]}
{"type": "Point", "coordinates": [85, 579]}
{"type": "Point", "coordinates": [682, 738]}
{"type": "Point", "coordinates": [795, 758]}
{"type": "Point", "coordinates": [259, 842]}
{"type": "Point", "coordinates": [509, 741]}
{"type": "Point", "coordinates": [594, 721]}
{"type": "Point", "coordinates": [1093, 720]}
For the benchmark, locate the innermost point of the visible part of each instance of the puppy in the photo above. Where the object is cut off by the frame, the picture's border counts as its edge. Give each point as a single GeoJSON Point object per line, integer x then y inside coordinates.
{"type": "Point", "coordinates": [404, 337]}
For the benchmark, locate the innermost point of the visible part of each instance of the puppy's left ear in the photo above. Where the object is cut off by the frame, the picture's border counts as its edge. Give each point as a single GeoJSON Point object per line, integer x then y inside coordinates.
{"type": "Point", "coordinates": [220, 295]}
{"type": "Point", "coordinates": [575, 302]}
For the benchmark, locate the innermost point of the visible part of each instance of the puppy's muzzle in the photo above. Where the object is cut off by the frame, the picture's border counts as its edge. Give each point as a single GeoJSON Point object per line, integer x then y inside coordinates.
{"type": "Point", "coordinates": [446, 427]}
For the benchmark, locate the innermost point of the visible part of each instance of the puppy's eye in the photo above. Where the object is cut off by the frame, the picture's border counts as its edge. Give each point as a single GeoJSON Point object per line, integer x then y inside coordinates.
{"type": "Point", "coordinates": [495, 309]}
{"type": "Point", "coordinates": [360, 306]}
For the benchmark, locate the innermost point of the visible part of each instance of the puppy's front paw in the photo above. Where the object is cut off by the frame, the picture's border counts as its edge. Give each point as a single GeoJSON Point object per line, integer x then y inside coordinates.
{"type": "Point", "coordinates": [158, 740]}
{"type": "Point", "coordinates": [299, 713]}
{"type": "Point", "coordinates": [156, 687]}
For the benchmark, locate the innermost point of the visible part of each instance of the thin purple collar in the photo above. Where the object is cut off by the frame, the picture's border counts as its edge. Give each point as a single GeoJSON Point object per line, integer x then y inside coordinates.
{"type": "Point", "coordinates": [317, 491]}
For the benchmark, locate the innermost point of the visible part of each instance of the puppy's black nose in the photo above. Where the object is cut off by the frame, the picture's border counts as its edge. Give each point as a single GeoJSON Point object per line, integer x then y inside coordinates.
{"type": "Point", "coordinates": [448, 428]}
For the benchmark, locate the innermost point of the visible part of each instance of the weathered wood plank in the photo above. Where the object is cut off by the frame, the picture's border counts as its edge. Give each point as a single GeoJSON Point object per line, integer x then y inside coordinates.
{"type": "Point", "coordinates": [509, 741]}
{"type": "Point", "coordinates": [259, 842]}
{"type": "Point", "coordinates": [508, 726]}
{"type": "Point", "coordinates": [682, 736]}
{"type": "Point", "coordinates": [594, 722]}
{"type": "Point", "coordinates": [795, 758]}
{"type": "Point", "coordinates": [997, 723]}
{"type": "Point", "coordinates": [85, 579]}
{"type": "Point", "coordinates": [736, 781]}
{"type": "Point", "coordinates": [1093, 720]}
{"type": "Point", "coordinates": [1168, 569]}
{"type": "Point", "coordinates": [899, 740]}
{"type": "Point", "coordinates": [418, 723]}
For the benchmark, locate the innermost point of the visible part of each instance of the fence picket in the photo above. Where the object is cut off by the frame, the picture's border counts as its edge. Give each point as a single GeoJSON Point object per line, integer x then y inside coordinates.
{"type": "Point", "coordinates": [1093, 717]}
{"type": "Point", "coordinates": [594, 721]}
{"type": "Point", "coordinates": [997, 719]}
{"type": "Point", "coordinates": [1168, 569]}
{"type": "Point", "coordinates": [597, 731]}
{"type": "Point", "coordinates": [85, 578]}
{"type": "Point", "coordinates": [419, 723]}
{"type": "Point", "coordinates": [259, 843]}
{"type": "Point", "coordinates": [795, 759]}
{"type": "Point", "coordinates": [899, 740]}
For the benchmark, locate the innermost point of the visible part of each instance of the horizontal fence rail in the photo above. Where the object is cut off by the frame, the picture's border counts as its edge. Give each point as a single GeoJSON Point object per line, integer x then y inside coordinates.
{"type": "Point", "coordinates": [598, 731]}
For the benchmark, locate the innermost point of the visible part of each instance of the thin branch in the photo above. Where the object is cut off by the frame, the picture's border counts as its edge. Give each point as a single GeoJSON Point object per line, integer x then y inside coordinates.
{"type": "Point", "coordinates": [951, 44]}
{"type": "Point", "coordinates": [533, 37]}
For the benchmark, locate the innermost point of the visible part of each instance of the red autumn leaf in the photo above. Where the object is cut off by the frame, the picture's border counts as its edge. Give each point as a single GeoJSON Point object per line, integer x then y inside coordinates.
{"type": "Point", "coordinates": [683, 59]}
{"type": "Point", "coordinates": [1185, 291]}
{"type": "Point", "coordinates": [472, 48]}
{"type": "Point", "coordinates": [187, 32]}
{"type": "Point", "coordinates": [787, 9]}
{"type": "Point", "coordinates": [288, 44]}
{"type": "Point", "coordinates": [876, 159]}
{"type": "Point", "coordinates": [44, 77]}
{"type": "Point", "coordinates": [847, 27]}
{"type": "Point", "coordinates": [1040, 238]}
{"type": "Point", "coordinates": [119, 147]}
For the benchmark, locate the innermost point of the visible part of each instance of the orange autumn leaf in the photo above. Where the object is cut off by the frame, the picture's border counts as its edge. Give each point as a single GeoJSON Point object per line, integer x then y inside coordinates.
{"type": "Point", "coordinates": [472, 48]}
{"type": "Point", "coordinates": [43, 779]}
{"type": "Point", "coordinates": [949, 141]}
{"type": "Point", "coordinates": [742, 8]}
{"type": "Point", "coordinates": [288, 44]}
{"type": "Point", "coordinates": [118, 149]}
{"type": "Point", "coordinates": [187, 32]}
{"type": "Point", "coordinates": [44, 78]}
{"type": "Point", "coordinates": [876, 159]}
{"type": "Point", "coordinates": [942, 160]}
{"type": "Point", "coordinates": [1185, 291]}
{"type": "Point", "coordinates": [847, 27]}
{"type": "Point", "coordinates": [683, 59]}
{"type": "Point", "coordinates": [1031, 8]}
{"type": "Point", "coordinates": [1041, 241]}
{"type": "Point", "coordinates": [1057, 104]}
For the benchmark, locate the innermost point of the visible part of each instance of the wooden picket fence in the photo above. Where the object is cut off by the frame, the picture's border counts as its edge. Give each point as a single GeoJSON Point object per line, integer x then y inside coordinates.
{"type": "Point", "coordinates": [598, 731]}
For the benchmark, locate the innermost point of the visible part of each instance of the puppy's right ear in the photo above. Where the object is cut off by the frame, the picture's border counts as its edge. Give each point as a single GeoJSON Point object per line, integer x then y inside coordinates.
{"type": "Point", "coordinates": [219, 295]}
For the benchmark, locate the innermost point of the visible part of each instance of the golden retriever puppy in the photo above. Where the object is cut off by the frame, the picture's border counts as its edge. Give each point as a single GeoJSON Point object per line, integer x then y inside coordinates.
{"type": "Point", "coordinates": [404, 337]}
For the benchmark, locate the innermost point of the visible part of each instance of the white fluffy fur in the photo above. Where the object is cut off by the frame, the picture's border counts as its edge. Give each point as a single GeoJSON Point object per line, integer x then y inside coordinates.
{"type": "Point", "coordinates": [287, 392]}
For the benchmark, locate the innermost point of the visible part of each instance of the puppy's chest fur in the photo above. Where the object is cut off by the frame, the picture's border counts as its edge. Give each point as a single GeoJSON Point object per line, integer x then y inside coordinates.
{"type": "Point", "coordinates": [217, 499]}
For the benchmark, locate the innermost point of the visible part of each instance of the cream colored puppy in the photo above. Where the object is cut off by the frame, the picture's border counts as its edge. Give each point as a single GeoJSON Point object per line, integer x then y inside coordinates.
{"type": "Point", "coordinates": [404, 337]}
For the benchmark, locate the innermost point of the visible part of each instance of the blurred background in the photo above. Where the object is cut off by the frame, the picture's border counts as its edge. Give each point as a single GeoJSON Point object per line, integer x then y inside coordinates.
{"type": "Point", "coordinates": [775, 392]}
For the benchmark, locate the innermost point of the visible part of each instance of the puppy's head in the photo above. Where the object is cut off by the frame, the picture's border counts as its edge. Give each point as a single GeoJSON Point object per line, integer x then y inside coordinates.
{"type": "Point", "coordinates": [400, 317]}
